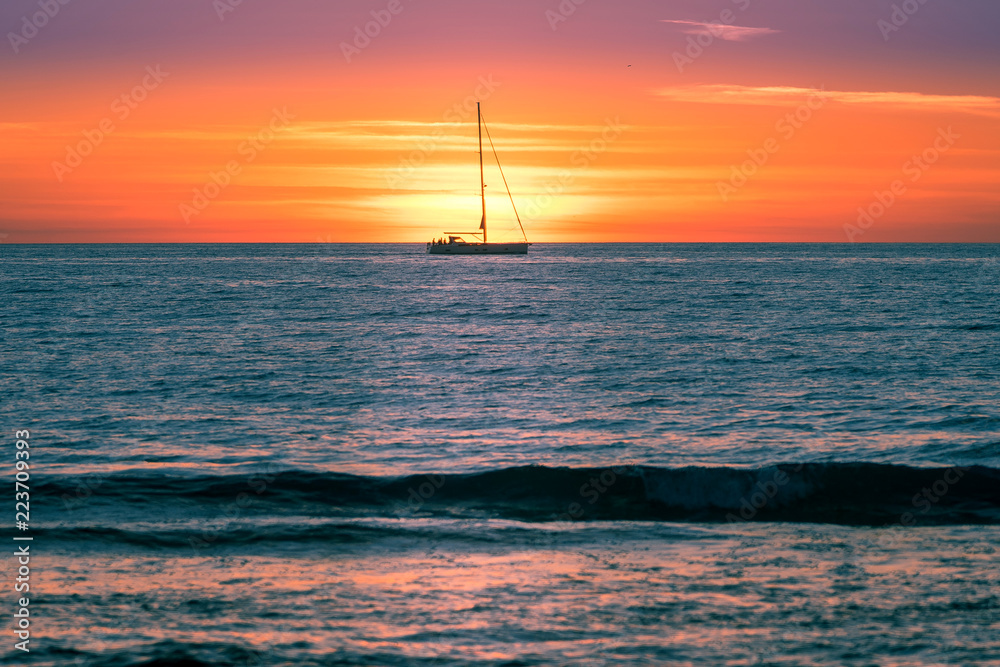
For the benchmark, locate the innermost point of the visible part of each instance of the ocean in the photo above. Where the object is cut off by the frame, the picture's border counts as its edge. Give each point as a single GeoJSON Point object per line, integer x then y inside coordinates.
{"type": "Point", "coordinates": [595, 454]}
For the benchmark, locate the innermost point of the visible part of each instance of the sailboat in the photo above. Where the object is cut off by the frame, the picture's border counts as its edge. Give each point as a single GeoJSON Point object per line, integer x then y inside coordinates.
{"type": "Point", "coordinates": [459, 243]}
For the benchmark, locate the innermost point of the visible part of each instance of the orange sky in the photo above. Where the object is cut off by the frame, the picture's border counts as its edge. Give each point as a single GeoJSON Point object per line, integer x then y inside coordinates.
{"type": "Point", "coordinates": [605, 132]}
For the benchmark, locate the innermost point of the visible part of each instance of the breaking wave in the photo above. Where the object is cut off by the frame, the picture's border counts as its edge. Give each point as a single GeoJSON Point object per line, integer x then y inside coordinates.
{"type": "Point", "coordinates": [840, 493]}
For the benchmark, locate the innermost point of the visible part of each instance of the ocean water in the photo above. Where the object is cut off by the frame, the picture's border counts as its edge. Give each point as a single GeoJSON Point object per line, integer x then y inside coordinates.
{"type": "Point", "coordinates": [597, 454]}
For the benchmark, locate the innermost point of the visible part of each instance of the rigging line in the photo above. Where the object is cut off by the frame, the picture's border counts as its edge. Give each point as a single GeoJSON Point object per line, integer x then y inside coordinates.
{"type": "Point", "coordinates": [504, 178]}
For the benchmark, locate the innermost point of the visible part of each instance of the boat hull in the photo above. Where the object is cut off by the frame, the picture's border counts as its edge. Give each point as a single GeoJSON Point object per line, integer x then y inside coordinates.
{"type": "Point", "coordinates": [478, 249]}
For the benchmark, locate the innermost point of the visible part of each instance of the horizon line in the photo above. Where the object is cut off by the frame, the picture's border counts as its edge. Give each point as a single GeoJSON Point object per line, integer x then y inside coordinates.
{"type": "Point", "coordinates": [534, 243]}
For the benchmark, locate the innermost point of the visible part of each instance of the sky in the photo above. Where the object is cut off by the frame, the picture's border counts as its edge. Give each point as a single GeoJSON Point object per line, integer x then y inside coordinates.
{"type": "Point", "coordinates": [633, 120]}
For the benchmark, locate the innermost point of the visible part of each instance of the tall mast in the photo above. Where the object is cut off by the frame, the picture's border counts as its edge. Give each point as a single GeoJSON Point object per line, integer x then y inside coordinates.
{"type": "Point", "coordinates": [482, 184]}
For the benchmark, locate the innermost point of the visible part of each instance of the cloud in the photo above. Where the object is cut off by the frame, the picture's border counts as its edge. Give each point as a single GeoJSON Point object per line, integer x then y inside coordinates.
{"type": "Point", "coordinates": [732, 33]}
{"type": "Point", "coordinates": [787, 95]}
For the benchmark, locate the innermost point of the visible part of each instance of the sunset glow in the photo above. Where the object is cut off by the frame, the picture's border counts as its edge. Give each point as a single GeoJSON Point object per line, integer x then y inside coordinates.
{"type": "Point", "coordinates": [188, 121]}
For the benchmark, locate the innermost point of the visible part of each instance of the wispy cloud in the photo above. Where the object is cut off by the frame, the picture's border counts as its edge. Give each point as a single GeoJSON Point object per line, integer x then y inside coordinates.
{"type": "Point", "coordinates": [732, 33]}
{"type": "Point", "coordinates": [785, 95]}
